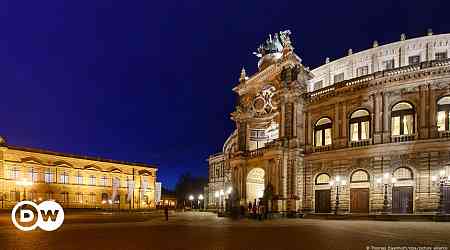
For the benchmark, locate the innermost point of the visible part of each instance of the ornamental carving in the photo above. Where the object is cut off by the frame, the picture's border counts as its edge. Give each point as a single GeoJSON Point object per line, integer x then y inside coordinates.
{"type": "Point", "coordinates": [262, 103]}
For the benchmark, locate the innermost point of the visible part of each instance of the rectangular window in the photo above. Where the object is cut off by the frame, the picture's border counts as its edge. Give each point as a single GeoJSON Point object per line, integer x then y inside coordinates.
{"type": "Point", "coordinates": [33, 175]}
{"type": "Point", "coordinates": [441, 121]}
{"type": "Point", "coordinates": [389, 64]}
{"type": "Point", "coordinates": [318, 85]}
{"type": "Point", "coordinates": [14, 173]}
{"type": "Point", "coordinates": [64, 178]}
{"type": "Point", "coordinates": [441, 56]}
{"type": "Point", "coordinates": [396, 125]}
{"type": "Point", "coordinates": [65, 196]}
{"type": "Point", "coordinates": [361, 71]}
{"type": "Point", "coordinates": [408, 125]}
{"type": "Point", "coordinates": [365, 130]}
{"type": "Point", "coordinates": [79, 179]}
{"type": "Point", "coordinates": [318, 141]}
{"type": "Point", "coordinates": [92, 198]}
{"type": "Point", "coordinates": [92, 180]}
{"type": "Point", "coordinates": [103, 181]}
{"type": "Point", "coordinates": [354, 131]}
{"type": "Point", "coordinates": [414, 60]}
{"type": "Point", "coordinates": [339, 77]}
{"type": "Point", "coordinates": [48, 176]}
{"type": "Point", "coordinates": [328, 136]}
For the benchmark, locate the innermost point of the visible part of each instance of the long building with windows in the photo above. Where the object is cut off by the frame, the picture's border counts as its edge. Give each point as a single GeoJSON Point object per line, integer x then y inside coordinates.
{"type": "Point", "coordinates": [366, 133]}
{"type": "Point", "coordinates": [73, 181]}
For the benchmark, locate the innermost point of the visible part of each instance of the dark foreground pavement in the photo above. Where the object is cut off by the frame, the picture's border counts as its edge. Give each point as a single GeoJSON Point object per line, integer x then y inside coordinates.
{"type": "Point", "coordinates": [205, 231]}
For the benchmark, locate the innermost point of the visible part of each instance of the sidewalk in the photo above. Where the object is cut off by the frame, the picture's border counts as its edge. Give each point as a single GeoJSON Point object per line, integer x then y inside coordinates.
{"type": "Point", "coordinates": [381, 217]}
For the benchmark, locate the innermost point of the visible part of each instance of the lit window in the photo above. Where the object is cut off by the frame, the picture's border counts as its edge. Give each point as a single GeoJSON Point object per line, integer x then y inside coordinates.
{"type": "Point", "coordinates": [322, 132]}
{"type": "Point", "coordinates": [33, 175]}
{"type": "Point", "coordinates": [92, 180]}
{"type": "Point", "coordinates": [14, 173]}
{"type": "Point", "coordinates": [322, 179]}
{"type": "Point", "coordinates": [79, 179]}
{"type": "Point", "coordinates": [402, 119]}
{"type": "Point", "coordinates": [403, 173]}
{"type": "Point", "coordinates": [64, 178]}
{"type": "Point", "coordinates": [65, 196]}
{"type": "Point", "coordinates": [359, 176]}
{"type": "Point", "coordinates": [360, 125]}
{"type": "Point", "coordinates": [103, 181]}
{"type": "Point", "coordinates": [48, 176]}
{"type": "Point", "coordinates": [443, 115]}
{"type": "Point", "coordinates": [441, 56]}
{"type": "Point", "coordinates": [92, 198]}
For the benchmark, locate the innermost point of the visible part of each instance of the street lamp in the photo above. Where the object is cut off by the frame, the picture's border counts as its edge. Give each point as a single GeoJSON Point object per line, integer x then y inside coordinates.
{"type": "Point", "coordinates": [387, 180]}
{"type": "Point", "coordinates": [200, 199]}
{"type": "Point", "coordinates": [24, 183]}
{"type": "Point", "coordinates": [191, 198]}
{"type": "Point", "coordinates": [443, 180]}
{"type": "Point", "coordinates": [222, 194]}
{"type": "Point", "coordinates": [339, 183]}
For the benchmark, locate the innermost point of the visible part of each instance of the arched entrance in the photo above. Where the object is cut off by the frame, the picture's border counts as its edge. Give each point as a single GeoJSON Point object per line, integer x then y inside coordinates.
{"type": "Point", "coordinates": [255, 184]}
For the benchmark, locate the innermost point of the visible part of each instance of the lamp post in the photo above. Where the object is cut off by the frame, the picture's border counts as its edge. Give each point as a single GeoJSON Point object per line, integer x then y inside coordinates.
{"type": "Point", "coordinates": [200, 200]}
{"type": "Point", "coordinates": [222, 194]}
{"type": "Point", "coordinates": [338, 183]}
{"type": "Point", "coordinates": [24, 183]}
{"type": "Point", "coordinates": [387, 181]}
{"type": "Point", "coordinates": [191, 198]}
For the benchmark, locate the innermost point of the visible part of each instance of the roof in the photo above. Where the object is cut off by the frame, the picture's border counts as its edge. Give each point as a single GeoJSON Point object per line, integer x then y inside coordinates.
{"type": "Point", "coordinates": [41, 151]}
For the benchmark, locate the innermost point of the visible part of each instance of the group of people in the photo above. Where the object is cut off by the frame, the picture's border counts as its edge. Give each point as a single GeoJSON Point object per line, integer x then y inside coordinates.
{"type": "Point", "coordinates": [257, 210]}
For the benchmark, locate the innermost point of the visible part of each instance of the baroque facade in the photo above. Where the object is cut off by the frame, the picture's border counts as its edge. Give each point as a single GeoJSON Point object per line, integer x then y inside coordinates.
{"type": "Point", "coordinates": [73, 181]}
{"type": "Point", "coordinates": [366, 133]}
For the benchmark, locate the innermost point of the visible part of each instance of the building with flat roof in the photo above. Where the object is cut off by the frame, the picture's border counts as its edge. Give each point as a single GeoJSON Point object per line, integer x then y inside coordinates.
{"type": "Point", "coordinates": [72, 180]}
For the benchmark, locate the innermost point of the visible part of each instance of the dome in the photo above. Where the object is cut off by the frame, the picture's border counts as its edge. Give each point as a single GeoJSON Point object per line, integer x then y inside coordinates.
{"type": "Point", "coordinates": [268, 60]}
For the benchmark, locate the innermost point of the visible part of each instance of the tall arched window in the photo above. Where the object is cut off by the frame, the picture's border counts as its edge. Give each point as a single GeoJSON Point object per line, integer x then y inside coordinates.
{"type": "Point", "coordinates": [360, 125]}
{"type": "Point", "coordinates": [322, 179]}
{"type": "Point", "coordinates": [402, 119]}
{"type": "Point", "coordinates": [443, 121]}
{"type": "Point", "coordinates": [322, 132]}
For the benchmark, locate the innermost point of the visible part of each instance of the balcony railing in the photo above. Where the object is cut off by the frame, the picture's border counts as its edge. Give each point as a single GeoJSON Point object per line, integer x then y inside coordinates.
{"type": "Point", "coordinates": [444, 134]}
{"type": "Point", "coordinates": [403, 138]}
{"type": "Point", "coordinates": [361, 143]}
{"type": "Point", "coordinates": [322, 148]}
{"type": "Point", "coordinates": [331, 89]}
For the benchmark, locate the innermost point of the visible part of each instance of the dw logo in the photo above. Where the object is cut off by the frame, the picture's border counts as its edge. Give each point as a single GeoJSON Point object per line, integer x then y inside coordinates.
{"type": "Point", "coordinates": [48, 215]}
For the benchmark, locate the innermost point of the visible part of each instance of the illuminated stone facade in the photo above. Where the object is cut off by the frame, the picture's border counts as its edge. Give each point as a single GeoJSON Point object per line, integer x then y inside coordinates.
{"type": "Point", "coordinates": [373, 126]}
{"type": "Point", "coordinates": [73, 181]}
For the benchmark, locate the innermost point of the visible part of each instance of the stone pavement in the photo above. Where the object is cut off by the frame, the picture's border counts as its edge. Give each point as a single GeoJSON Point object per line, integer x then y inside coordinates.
{"type": "Point", "coordinates": [196, 230]}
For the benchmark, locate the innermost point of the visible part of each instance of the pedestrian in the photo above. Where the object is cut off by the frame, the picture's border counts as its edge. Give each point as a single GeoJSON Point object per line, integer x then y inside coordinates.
{"type": "Point", "coordinates": [254, 211]}
{"type": "Point", "coordinates": [249, 207]}
{"type": "Point", "coordinates": [166, 212]}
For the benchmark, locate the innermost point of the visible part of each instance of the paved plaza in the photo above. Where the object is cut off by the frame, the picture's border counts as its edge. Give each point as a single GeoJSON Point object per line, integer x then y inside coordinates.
{"type": "Point", "coordinates": [195, 230]}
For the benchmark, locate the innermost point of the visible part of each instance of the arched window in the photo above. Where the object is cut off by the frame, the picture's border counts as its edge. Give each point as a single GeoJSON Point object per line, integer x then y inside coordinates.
{"type": "Point", "coordinates": [443, 121]}
{"type": "Point", "coordinates": [322, 132]}
{"type": "Point", "coordinates": [359, 176]}
{"type": "Point", "coordinates": [402, 119]}
{"type": "Point", "coordinates": [360, 125]}
{"type": "Point", "coordinates": [403, 173]}
{"type": "Point", "coordinates": [322, 179]}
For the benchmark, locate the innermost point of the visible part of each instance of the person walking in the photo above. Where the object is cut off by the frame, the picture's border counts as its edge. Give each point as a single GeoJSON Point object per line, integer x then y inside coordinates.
{"type": "Point", "coordinates": [166, 212]}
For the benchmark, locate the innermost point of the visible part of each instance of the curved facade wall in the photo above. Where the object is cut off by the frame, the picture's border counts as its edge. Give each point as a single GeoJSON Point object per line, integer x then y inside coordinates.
{"type": "Point", "coordinates": [392, 55]}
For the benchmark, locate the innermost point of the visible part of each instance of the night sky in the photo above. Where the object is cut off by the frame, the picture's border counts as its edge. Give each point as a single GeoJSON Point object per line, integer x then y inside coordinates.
{"type": "Point", "coordinates": [150, 81]}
